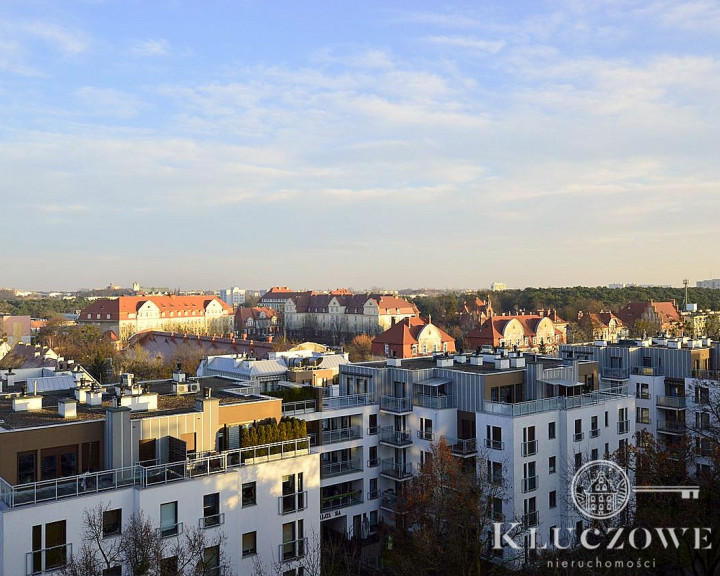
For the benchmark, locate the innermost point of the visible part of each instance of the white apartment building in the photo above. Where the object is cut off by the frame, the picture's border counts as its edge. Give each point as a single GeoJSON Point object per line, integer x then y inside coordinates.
{"type": "Point", "coordinates": [714, 283]}
{"type": "Point", "coordinates": [168, 451]}
{"type": "Point", "coordinates": [234, 296]}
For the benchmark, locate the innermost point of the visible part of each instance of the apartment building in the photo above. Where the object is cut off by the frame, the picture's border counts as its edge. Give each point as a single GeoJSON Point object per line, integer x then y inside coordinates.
{"type": "Point", "coordinates": [128, 315]}
{"type": "Point", "coordinates": [170, 449]}
{"type": "Point", "coordinates": [662, 373]}
{"type": "Point", "coordinates": [523, 421]}
{"type": "Point", "coordinates": [233, 296]}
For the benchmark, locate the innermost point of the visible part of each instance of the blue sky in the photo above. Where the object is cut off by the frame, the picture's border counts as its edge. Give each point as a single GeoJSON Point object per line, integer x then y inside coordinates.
{"type": "Point", "coordinates": [330, 143]}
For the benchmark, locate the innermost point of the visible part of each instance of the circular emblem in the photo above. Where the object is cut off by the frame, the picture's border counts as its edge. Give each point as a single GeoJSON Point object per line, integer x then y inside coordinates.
{"type": "Point", "coordinates": [600, 489]}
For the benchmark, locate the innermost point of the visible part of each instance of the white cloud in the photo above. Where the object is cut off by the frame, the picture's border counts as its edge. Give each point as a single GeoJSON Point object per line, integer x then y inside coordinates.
{"type": "Point", "coordinates": [108, 102]}
{"type": "Point", "coordinates": [66, 40]}
{"type": "Point", "coordinates": [489, 46]}
{"type": "Point", "coordinates": [150, 47]}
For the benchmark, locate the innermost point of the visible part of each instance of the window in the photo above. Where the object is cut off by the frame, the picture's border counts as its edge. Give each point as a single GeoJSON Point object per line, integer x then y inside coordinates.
{"type": "Point", "coordinates": [58, 462]}
{"type": "Point", "coordinates": [249, 544]}
{"type": "Point", "coordinates": [292, 499]}
{"type": "Point", "coordinates": [607, 419]}
{"type": "Point", "coordinates": [26, 467]}
{"type": "Point", "coordinates": [293, 545]}
{"type": "Point", "coordinates": [552, 499]}
{"type": "Point", "coordinates": [578, 460]}
{"type": "Point", "coordinates": [702, 395]}
{"type": "Point", "coordinates": [529, 445]}
{"type": "Point", "coordinates": [54, 554]}
{"type": "Point", "coordinates": [702, 420]}
{"type": "Point", "coordinates": [211, 510]}
{"type": "Point", "coordinates": [249, 494]}
{"type": "Point", "coordinates": [112, 522]}
{"type": "Point", "coordinates": [210, 561]}
{"type": "Point", "coordinates": [494, 438]}
{"type": "Point", "coordinates": [594, 454]}
{"type": "Point", "coordinates": [168, 519]}
{"type": "Point", "coordinates": [551, 430]}
{"type": "Point", "coordinates": [114, 571]}
{"type": "Point", "coordinates": [494, 472]}
{"type": "Point", "coordinates": [578, 436]}
{"type": "Point", "coordinates": [552, 464]}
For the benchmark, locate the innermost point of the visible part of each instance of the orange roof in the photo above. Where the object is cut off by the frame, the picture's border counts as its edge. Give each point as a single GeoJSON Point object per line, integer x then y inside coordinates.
{"type": "Point", "coordinates": [406, 332]}
{"type": "Point", "coordinates": [120, 308]}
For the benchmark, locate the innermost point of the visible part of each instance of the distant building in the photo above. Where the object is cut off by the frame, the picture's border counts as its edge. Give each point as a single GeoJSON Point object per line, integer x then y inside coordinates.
{"type": "Point", "coordinates": [498, 286]}
{"type": "Point", "coordinates": [714, 284]}
{"type": "Point", "coordinates": [259, 322]}
{"type": "Point", "coordinates": [663, 315]}
{"type": "Point", "coordinates": [410, 338]}
{"type": "Point", "coordinates": [234, 296]}
{"type": "Point", "coordinates": [15, 329]}
{"type": "Point", "coordinates": [604, 325]}
{"type": "Point", "coordinates": [128, 315]}
{"type": "Point", "coordinates": [476, 312]}
{"type": "Point", "coordinates": [533, 331]}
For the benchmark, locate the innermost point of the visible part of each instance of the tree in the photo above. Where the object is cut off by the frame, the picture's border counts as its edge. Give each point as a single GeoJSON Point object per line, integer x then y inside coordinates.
{"type": "Point", "coordinates": [443, 518]}
{"type": "Point", "coordinates": [360, 348]}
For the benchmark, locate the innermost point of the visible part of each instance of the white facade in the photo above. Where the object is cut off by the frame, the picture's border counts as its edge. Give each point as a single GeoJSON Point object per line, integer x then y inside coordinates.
{"type": "Point", "coordinates": [714, 283]}
{"type": "Point", "coordinates": [234, 296]}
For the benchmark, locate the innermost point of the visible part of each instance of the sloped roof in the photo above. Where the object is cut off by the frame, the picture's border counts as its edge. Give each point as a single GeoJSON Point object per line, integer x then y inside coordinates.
{"type": "Point", "coordinates": [406, 332]}
{"type": "Point", "coordinates": [120, 308]}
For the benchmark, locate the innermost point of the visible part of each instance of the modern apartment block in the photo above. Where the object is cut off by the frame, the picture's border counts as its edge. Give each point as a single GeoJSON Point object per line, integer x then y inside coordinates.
{"type": "Point", "coordinates": [170, 449]}
{"type": "Point", "coordinates": [523, 421]}
{"type": "Point", "coordinates": [664, 374]}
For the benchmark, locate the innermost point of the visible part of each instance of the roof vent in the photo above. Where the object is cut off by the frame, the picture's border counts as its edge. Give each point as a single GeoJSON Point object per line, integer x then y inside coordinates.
{"type": "Point", "coordinates": [67, 408]}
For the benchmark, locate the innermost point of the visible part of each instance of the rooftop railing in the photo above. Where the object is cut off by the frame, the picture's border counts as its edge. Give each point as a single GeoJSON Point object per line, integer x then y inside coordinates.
{"type": "Point", "coordinates": [395, 404]}
{"type": "Point", "coordinates": [300, 407]}
{"type": "Point", "coordinates": [435, 402]}
{"type": "Point", "coordinates": [143, 476]}
{"type": "Point", "coordinates": [648, 371]}
{"type": "Point", "coordinates": [613, 373]}
{"type": "Point", "coordinates": [350, 401]}
{"type": "Point", "coordinates": [554, 403]}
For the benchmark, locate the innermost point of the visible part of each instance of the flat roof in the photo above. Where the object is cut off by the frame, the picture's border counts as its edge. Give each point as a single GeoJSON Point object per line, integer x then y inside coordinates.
{"type": "Point", "coordinates": [426, 362]}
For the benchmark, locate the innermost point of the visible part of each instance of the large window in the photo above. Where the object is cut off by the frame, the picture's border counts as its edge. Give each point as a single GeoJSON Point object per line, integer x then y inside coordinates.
{"type": "Point", "coordinates": [58, 462]}
{"type": "Point", "coordinates": [27, 467]}
{"type": "Point", "coordinates": [211, 510]}
{"type": "Point", "coordinates": [168, 520]}
{"type": "Point", "coordinates": [249, 544]}
{"type": "Point", "coordinates": [292, 490]}
{"type": "Point", "coordinates": [54, 554]}
{"type": "Point", "coordinates": [293, 545]}
{"type": "Point", "coordinates": [249, 495]}
{"type": "Point", "coordinates": [112, 522]}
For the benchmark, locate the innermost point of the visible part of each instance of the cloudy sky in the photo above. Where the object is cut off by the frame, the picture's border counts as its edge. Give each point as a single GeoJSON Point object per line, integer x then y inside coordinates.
{"type": "Point", "coordinates": [344, 143]}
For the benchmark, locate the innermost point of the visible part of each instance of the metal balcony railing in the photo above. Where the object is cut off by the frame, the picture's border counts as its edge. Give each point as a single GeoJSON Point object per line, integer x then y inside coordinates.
{"type": "Point", "coordinates": [288, 551]}
{"type": "Point", "coordinates": [578, 437]}
{"type": "Point", "coordinates": [642, 395]}
{"type": "Point", "coordinates": [332, 469]}
{"type": "Point", "coordinates": [341, 500]}
{"type": "Point", "coordinates": [373, 495]}
{"type": "Point", "coordinates": [294, 502]}
{"type": "Point", "coordinates": [435, 402]}
{"type": "Point", "coordinates": [531, 519]}
{"type": "Point", "coordinates": [494, 444]}
{"type": "Point", "coordinates": [530, 484]}
{"type": "Point", "coordinates": [389, 435]}
{"type": "Point", "coordinates": [395, 404]}
{"type": "Point", "coordinates": [341, 435]}
{"type": "Point", "coordinates": [396, 470]}
{"type": "Point", "coordinates": [47, 559]}
{"type": "Point", "coordinates": [669, 427]}
{"type": "Point", "coordinates": [426, 435]}
{"type": "Point", "coordinates": [170, 530]}
{"type": "Point", "coordinates": [648, 371]}
{"type": "Point", "coordinates": [373, 462]}
{"type": "Point", "coordinates": [529, 448]}
{"type": "Point", "coordinates": [349, 401]}
{"type": "Point", "coordinates": [212, 521]}
{"type": "Point", "coordinates": [623, 427]}
{"type": "Point", "coordinates": [594, 432]}
{"type": "Point", "coordinates": [613, 373]}
{"type": "Point", "coordinates": [675, 402]}
{"type": "Point", "coordinates": [643, 419]}
{"type": "Point", "coordinates": [464, 446]}
{"type": "Point", "coordinates": [298, 408]}
{"type": "Point", "coordinates": [373, 430]}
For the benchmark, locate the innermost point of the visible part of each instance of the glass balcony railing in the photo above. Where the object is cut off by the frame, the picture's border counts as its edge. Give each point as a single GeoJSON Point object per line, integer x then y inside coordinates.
{"type": "Point", "coordinates": [396, 470]}
{"type": "Point", "coordinates": [529, 448]}
{"type": "Point", "coordinates": [395, 404]}
{"type": "Point", "coordinates": [530, 484]}
{"type": "Point", "coordinates": [349, 401]}
{"type": "Point", "coordinates": [290, 503]}
{"type": "Point", "coordinates": [341, 500]}
{"type": "Point", "coordinates": [389, 435]}
{"type": "Point", "coordinates": [288, 551]}
{"type": "Point", "coordinates": [331, 469]}
{"type": "Point", "coordinates": [463, 446]}
{"type": "Point", "coordinates": [674, 402]}
{"type": "Point", "coordinates": [494, 444]}
{"type": "Point", "coordinates": [341, 434]}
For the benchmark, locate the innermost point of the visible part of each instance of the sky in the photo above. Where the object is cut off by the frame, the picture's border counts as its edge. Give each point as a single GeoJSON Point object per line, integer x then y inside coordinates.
{"type": "Point", "coordinates": [319, 144]}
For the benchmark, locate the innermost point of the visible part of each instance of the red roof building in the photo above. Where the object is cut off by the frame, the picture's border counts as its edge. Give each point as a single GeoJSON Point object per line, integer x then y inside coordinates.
{"type": "Point", "coordinates": [521, 331]}
{"type": "Point", "coordinates": [664, 316]}
{"type": "Point", "coordinates": [411, 337]}
{"type": "Point", "coordinates": [257, 322]}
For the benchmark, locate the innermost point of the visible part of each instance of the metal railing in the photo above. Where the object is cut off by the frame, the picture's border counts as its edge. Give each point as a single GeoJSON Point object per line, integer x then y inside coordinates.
{"type": "Point", "coordinates": [554, 403]}
{"type": "Point", "coordinates": [341, 500]}
{"type": "Point", "coordinates": [463, 446]}
{"type": "Point", "coordinates": [212, 521]}
{"type": "Point", "coordinates": [396, 470]}
{"type": "Point", "coordinates": [494, 444]}
{"type": "Point", "coordinates": [395, 404]}
{"type": "Point", "coordinates": [389, 435]}
{"type": "Point", "coordinates": [373, 495]}
{"type": "Point", "coordinates": [170, 530]}
{"type": "Point", "coordinates": [342, 434]}
{"type": "Point", "coordinates": [648, 371]}
{"type": "Point", "coordinates": [373, 462]}
{"type": "Point", "coordinates": [373, 430]}
{"type": "Point", "coordinates": [529, 484]}
{"type": "Point", "coordinates": [594, 432]}
{"type": "Point", "coordinates": [623, 427]}
{"type": "Point", "coordinates": [578, 436]}
{"type": "Point", "coordinates": [670, 427]}
{"type": "Point", "coordinates": [643, 419]}
{"type": "Point", "coordinates": [426, 435]}
{"type": "Point", "coordinates": [529, 448]}
{"type": "Point", "coordinates": [143, 476]}
{"type": "Point", "coordinates": [294, 502]}
{"type": "Point", "coordinates": [293, 550]}
{"type": "Point", "coordinates": [531, 519]}
{"type": "Point", "coordinates": [676, 402]}
{"type": "Point", "coordinates": [435, 402]}
{"type": "Point", "coordinates": [332, 469]}
{"type": "Point", "coordinates": [300, 407]}
{"type": "Point", "coordinates": [47, 559]}
{"type": "Point", "coordinates": [495, 478]}
{"type": "Point", "coordinates": [389, 501]}
{"type": "Point", "coordinates": [641, 395]}
{"type": "Point", "coordinates": [349, 401]}
{"type": "Point", "coordinates": [613, 373]}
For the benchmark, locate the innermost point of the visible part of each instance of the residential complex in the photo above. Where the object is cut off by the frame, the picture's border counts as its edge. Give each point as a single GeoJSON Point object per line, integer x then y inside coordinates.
{"type": "Point", "coordinates": [412, 337]}
{"type": "Point", "coordinates": [233, 296]}
{"type": "Point", "coordinates": [714, 283]}
{"type": "Point", "coordinates": [128, 315]}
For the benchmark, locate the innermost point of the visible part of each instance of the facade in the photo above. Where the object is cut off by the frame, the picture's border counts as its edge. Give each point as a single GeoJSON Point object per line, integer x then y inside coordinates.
{"type": "Point", "coordinates": [233, 296]}
{"type": "Point", "coordinates": [410, 338]}
{"type": "Point", "coordinates": [128, 315]}
{"type": "Point", "coordinates": [15, 329]}
{"type": "Point", "coordinates": [662, 374]}
{"type": "Point", "coordinates": [529, 332]}
{"type": "Point", "coordinates": [260, 322]}
{"type": "Point", "coordinates": [604, 326]}
{"type": "Point", "coordinates": [523, 422]}
{"type": "Point", "coordinates": [172, 452]}
{"type": "Point", "coordinates": [498, 286]}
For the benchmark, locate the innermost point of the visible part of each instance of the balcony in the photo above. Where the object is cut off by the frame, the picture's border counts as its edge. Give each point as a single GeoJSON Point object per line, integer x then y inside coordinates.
{"type": "Point", "coordinates": [670, 427]}
{"type": "Point", "coordinates": [396, 470]}
{"type": "Point", "coordinates": [529, 448]}
{"type": "Point", "coordinates": [672, 402]}
{"type": "Point", "coordinates": [373, 430]}
{"type": "Point", "coordinates": [298, 408]}
{"type": "Point", "coordinates": [435, 402]}
{"type": "Point", "coordinates": [341, 435]}
{"type": "Point", "coordinates": [530, 484]}
{"type": "Point", "coordinates": [290, 503]}
{"type": "Point", "coordinates": [426, 435]}
{"type": "Point", "coordinates": [531, 519]}
{"type": "Point", "coordinates": [395, 404]}
{"type": "Point", "coordinates": [350, 401]}
{"type": "Point", "coordinates": [388, 435]}
{"type": "Point", "coordinates": [648, 371]}
{"type": "Point", "coordinates": [288, 551]}
{"type": "Point", "coordinates": [613, 373]}
{"type": "Point", "coordinates": [47, 559]}
{"type": "Point", "coordinates": [463, 447]}
{"type": "Point", "coordinates": [373, 495]}
{"type": "Point", "coordinates": [578, 437]}
{"type": "Point", "coordinates": [389, 501]}
{"type": "Point", "coordinates": [170, 530]}
{"type": "Point", "coordinates": [373, 463]}
{"type": "Point", "coordinates": [332, 469]}
{"type": "Point", "coordinates": [494, 444]}
{"type": "Point", "coordinates": [623, 427]}
{"type": "Point", "coordinates": [594, 432]}
{"type": "Point", "coordinates": [212, 521]}
{"type": "Point", "coordinates": [341, 500]}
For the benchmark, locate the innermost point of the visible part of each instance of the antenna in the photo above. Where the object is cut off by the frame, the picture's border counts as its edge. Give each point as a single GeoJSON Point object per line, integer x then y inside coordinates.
{"type": "Point", "coordinates": [685, 283]}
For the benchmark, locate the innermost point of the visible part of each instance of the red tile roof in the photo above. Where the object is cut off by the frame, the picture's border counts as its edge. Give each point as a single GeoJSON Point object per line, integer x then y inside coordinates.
{"type": "Point", "coordinates": [120, 308]}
